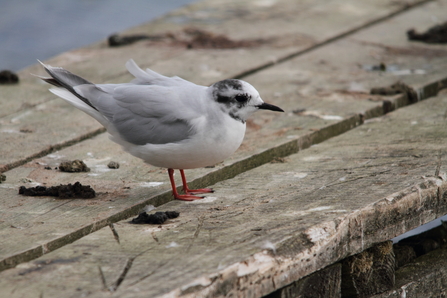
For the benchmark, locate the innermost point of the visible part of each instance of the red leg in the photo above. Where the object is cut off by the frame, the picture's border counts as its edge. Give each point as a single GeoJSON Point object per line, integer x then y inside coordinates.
{"type": "Point", "coordinates": [192, 191]}
{"type": "Point", "coordinates": [185, 197]}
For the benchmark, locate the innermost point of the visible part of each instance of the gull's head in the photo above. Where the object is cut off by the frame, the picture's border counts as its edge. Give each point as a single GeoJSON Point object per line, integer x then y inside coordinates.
{"type": "Point", "coordinates": [239, 99]}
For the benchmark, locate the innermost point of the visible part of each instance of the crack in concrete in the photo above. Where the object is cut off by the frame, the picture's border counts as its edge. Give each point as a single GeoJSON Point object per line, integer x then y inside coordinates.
{"type": "Point", "coordinates": [329, 40]}
{"type": "Point", "coordinates": [154, 236]}
{"type": "Point", "coordinates": [355, 178]}
{"type": "Point", "coordinates": [103, 278]}
{"type": "Point", "coordinates": [147, 275]}
{"type": "Point", "coordinates": [115, 233]}
{"type": "Point", "coordinates": [197, 232]}
{"type": "Point", "coordinates": [123, 274]}
{"type": "Point", "coordinates": [438, 165]}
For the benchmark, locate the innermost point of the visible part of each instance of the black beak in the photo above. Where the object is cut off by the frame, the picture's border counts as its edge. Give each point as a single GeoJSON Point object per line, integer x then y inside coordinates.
{"type": "Point", "coordinates": [267, 106]}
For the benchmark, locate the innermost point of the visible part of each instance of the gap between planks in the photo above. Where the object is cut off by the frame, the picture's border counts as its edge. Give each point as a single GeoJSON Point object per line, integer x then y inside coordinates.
{"type": "Point", "coordinates": [330, 40]}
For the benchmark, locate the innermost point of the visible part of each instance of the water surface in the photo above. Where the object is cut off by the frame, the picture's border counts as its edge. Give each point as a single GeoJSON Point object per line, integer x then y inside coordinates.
{"type": "Point", "coordinates": [40, 29]}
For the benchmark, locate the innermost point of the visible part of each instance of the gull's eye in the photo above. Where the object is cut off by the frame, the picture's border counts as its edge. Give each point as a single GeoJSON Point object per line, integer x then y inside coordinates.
{"type": "Point", "coordinates": [241, 97]}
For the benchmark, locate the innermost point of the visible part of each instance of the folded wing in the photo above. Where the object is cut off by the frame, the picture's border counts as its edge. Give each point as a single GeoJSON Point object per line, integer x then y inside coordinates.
{"type": "Point", "coordinates": [151, 109]}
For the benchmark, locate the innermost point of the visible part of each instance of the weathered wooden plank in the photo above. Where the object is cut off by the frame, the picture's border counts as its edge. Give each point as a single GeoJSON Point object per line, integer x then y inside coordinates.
{"type": "Point", "coordinates": [293, 28]}
{"type": "Point", "coordinates": [325, 283]}
{"type": "Point", "coordinates": [285, 221]}
{"type": "Point", "coordinates": [301, 28]}
{"type": "Point", "coordinates": [285, 135]}
{"type": "Point", "coordinates": [369, 272]}
{"type": "Point", "coordinates": [424, 277]}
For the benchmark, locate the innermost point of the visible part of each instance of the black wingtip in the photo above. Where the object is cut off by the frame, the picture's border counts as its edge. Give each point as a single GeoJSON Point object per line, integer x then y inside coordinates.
{"type": "Point", "coordinates": [62, 78]}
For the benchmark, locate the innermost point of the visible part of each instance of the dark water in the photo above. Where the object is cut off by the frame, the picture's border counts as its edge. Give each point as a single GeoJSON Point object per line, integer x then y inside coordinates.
{"type": "Point", "coordinates": [40, 29]}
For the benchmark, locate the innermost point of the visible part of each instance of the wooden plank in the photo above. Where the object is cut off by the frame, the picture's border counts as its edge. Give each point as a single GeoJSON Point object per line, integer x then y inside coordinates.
{"type": "Point", "coordinates": [369, 272]}
{"type": "Point", "coordinates": [325, 283]}
{"type": "Point", "coordinates": [285, 221]}
{"type": "Point", "coordinates": [268, 136]}
{"type": "Point", "coordinates": [101, 64]}
{"type": "Point", "coordinates": [424, 277]}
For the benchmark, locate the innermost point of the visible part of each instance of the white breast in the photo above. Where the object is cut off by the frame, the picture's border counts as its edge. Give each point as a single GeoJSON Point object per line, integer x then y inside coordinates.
{"type": "Point", "coordinates": [214, 142]}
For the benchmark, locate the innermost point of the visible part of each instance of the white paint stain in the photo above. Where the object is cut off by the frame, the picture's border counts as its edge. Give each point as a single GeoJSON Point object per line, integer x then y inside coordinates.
{"type": "Point", "coordinates": [404, 290]}
{"type": "Point", "coordinates": [269, 246]}
{"type": "Point", "coordinates": [311, 158]}
{"type": "Point", "coordinates": [331, 117]}
{"type": "Point", "coordinates": [321, 208]}
{"type": "Point", "coordinates": [317, 234]}
{"type": "Point", "coordinates": [172, 244]}
{"type": "Point", "coordinates": [202, 282]}
{"type": "Point", "coordinates": [55, 156]}
{"type": "Point", "coordinates": [406, 72]}
{"type": "Point", "coordinates": [150, 184]}
{"type": "Point", "coordinates": [148, 208]}
{"type": "Point", "coordinates": [10, 131]}
{"type": "Point", "coordinates": [206, 199]}
{"type": "Point", "coordinates": [265, 3]}
{"type": "Point", "coordinates": [320, 115]}
{"type": "Point", "coordinates": [17, 118]}
{"type": "Point", "coordinates": [300, 175]}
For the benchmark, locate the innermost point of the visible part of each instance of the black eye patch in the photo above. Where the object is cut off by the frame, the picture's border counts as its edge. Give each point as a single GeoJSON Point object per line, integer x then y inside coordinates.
{"type": "Point", "coordinates": [241, 97]}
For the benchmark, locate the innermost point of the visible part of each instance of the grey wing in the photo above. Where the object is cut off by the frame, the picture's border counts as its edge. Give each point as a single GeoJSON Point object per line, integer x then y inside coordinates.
{"type": "Point", "coordinates": [142, 114]}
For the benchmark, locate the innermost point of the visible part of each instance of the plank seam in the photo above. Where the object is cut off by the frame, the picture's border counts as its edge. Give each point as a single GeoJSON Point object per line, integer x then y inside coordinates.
{"type": "Point", "coordinates": [330, 40]}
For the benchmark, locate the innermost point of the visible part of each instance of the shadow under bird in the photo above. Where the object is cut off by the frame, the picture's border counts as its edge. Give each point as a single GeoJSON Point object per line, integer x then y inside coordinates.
{"type": "Point", "coordinates": [166, 121]}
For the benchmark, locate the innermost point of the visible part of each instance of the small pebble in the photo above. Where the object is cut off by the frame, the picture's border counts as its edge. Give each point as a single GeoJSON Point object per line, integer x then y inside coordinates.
{"type": "Point", "coordinates": [73, 166]}
{"type": "Point", "coordinates": [113, 165]}
{"type": "Point", "coordinates": [155, 218]}
{"type": "Point", "coordinates": [8, 77]}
